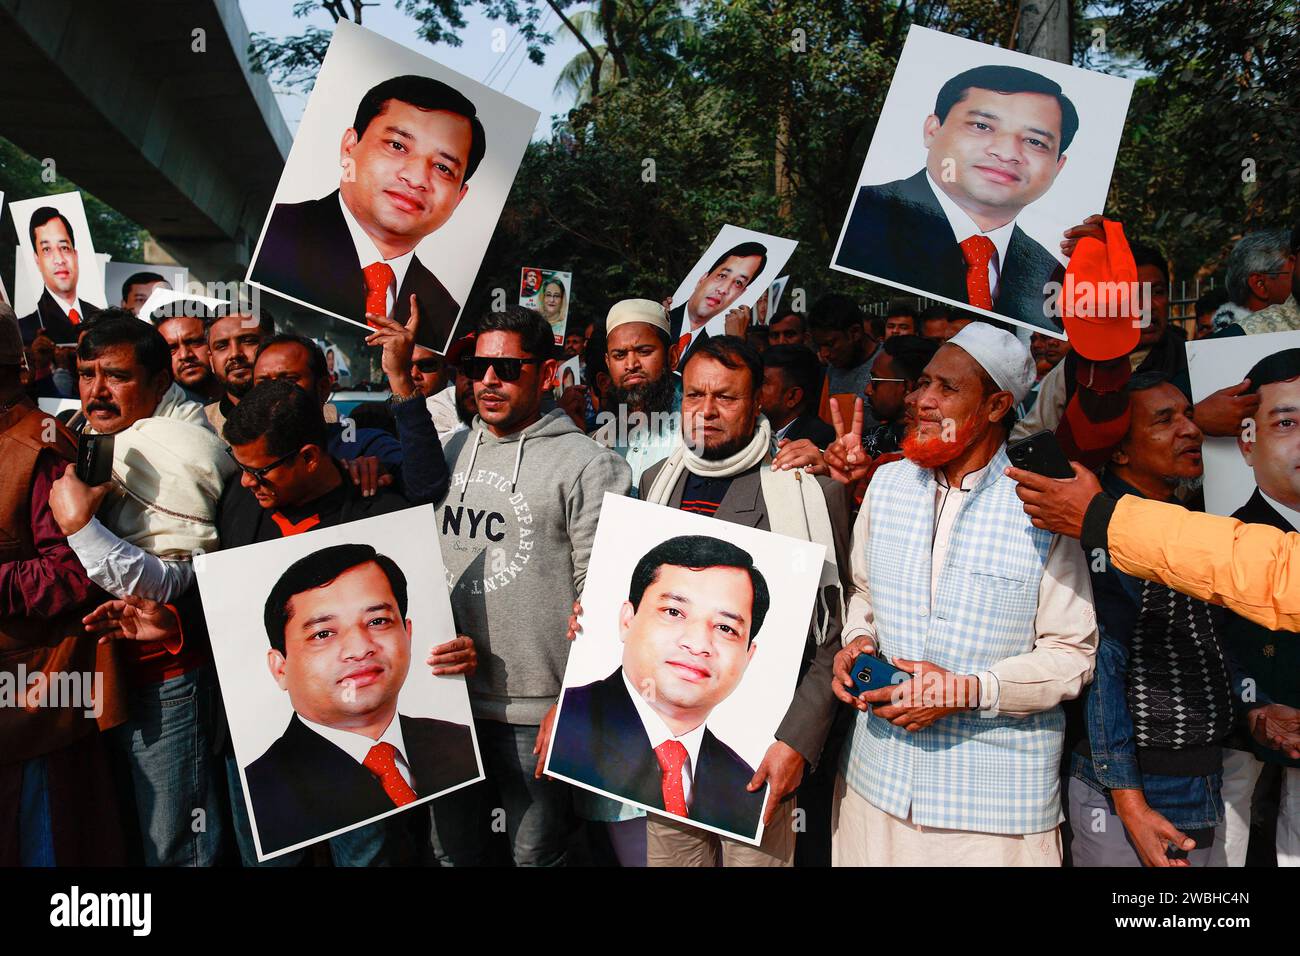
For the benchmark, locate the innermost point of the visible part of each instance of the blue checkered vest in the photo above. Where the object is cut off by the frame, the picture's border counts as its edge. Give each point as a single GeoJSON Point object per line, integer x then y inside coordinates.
{"type": "Point", "coordinates": [968, 771]}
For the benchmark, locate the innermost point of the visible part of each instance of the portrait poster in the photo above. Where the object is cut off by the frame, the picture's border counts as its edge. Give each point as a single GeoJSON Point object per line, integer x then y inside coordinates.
{"type": "Point", "coordinates": [357, 728]}
{"type": "Point", "coordinates": [133, 297]}
{"type": "Point", "coordinates": [987, 156]}
{"type": "Point", "coordinates": [692, 632]}
{"type": "Point", "coordinates": [734, 271]}
{"type": "Point", "coordinates": [68, 274]}
{"type": "Point", "coordinates": [416, 192]}
{"type": "Point", "coordinates": [547, 291]}
{"type": "Point", "coordinates": [568, 374]}
{"type": "Point", "coordinates": [1230, 480]}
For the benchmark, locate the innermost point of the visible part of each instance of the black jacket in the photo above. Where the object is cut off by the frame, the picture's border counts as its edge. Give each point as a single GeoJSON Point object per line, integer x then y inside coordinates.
{"type": "Point", "coordinates": [898, 232]}
{"type": "Point", "coordinates": [812, 428]}
{"type": "Point", "coordinates": [601, 742]}
{"type": "Point", "coordinates": [308, 254]}
{"type": "Point", "coordinates": [676, 319]}
{"type": "Point", "coordinates": [304, 787]}
{"type": "Point", "coordinates": [50, 317]}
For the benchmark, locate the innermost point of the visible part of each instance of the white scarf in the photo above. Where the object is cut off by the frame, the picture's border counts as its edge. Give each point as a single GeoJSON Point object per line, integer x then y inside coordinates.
{"type": "Point", "coordinates": [796, 507]}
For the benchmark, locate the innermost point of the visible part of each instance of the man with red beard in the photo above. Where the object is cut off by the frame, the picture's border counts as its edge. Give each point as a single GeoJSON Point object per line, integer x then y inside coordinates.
{"type": "Point", "coordinates": [992, 617]}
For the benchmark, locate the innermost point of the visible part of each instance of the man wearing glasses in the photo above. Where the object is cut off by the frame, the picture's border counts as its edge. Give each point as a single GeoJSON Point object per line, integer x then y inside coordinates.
{"type": "Point", "coordinates": [517, 527]}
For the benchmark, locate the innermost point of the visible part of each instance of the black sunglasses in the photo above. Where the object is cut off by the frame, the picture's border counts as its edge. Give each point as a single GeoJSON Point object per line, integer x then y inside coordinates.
{"type": "Point", "coordinates": [507, 368]}
{"type": "Point", "coordinates": [259, 474]}
{"type": "Point", "coordinates": [429, 366]}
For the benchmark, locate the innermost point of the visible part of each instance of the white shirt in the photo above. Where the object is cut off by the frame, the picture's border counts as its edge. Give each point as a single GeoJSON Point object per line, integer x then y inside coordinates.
{"type": "Point", "coordinates": [658, 732]}
{"type": "Point", "coordinates": [122, 568]}
{"type": "Point", "coordinates": [368, 253]}
{"type": "Point", "coordinates": [357, 746]}
{"type": "Point", "coordinates": [1290, 514]}
{"type": "Point", "coordinates": [963, 227]}
{"type": "Point", "coordinates": [76, 304]}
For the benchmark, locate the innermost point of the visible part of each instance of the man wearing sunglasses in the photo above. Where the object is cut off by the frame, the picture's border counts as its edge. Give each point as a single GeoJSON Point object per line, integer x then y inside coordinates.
{"type": "Point", "coordinates": [517, 528]}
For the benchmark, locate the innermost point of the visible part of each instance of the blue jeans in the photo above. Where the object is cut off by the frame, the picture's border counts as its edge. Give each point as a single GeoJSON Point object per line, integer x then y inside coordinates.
{"type": "Point", "coordinates": [536, 815]}
{"type": "Point", "coordinates": [383, 843]}
{"type": "Point", "coordinates": [35, 830]}
{"type": "Point", "coordinates": [167, 744]}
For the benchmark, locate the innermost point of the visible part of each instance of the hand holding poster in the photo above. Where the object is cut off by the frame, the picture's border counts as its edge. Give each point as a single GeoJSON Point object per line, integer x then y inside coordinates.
{"type": "Point", "coordinates": [692, 633]}
{"type": "Point", "coordinates": [393, 187]}
{"type": "Point", "coordinates": [335, 717]}
{"type": "Point", "coordinates": [981, 160]}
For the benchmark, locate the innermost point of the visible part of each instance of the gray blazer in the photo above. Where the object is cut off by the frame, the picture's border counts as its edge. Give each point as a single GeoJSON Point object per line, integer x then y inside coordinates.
{"type": "Point", "coordinates": [811, 712]}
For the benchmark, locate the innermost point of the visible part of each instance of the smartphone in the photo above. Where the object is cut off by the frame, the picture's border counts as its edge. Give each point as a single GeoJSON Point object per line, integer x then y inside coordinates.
{"type": "Point", "coordinates": [94, 458]}
{"type": "Point", "coordinates": [872, 673]}
{"type": "Point", "coordinates": [1041, 454]}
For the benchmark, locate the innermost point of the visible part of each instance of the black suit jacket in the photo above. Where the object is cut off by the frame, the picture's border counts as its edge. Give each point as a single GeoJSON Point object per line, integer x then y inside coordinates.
{"type": "Point", "coordinates": [676, 319]}
{"type": "Point", "coordinates": [50, 317]}
{"type": "Point", "coordinates": [812, 428]}
{"type": "Point", "coordinates": [601, 741]}
{"type": "Point", "coordinates": [898, 231]}
{"type": "Point", "coordinates": [308, 254]}
{"type": "Point", "coordinates": [304, 787]}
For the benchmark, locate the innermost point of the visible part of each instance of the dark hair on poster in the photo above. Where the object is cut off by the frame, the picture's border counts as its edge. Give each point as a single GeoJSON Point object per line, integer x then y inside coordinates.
{"type": "Point", "coordinates": [425, 93]}
{"type": "Point", "coordinates": [1008, 79]}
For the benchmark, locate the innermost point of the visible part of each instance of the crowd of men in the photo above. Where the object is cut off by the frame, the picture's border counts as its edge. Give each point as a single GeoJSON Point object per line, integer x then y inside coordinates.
{"type": "Point", "coordinates": [1130, 698]}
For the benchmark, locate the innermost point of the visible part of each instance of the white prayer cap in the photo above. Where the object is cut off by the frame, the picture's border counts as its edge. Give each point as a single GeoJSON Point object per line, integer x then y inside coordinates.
{"type": "Point", "coordinates": [636, 310]}
{"type": "Point", "coordinates": [1001, 354]}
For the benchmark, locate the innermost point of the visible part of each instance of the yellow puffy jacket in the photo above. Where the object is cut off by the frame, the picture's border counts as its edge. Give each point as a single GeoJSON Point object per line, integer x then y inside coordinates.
{"type": "Point", "coordinates": [1247, 568]}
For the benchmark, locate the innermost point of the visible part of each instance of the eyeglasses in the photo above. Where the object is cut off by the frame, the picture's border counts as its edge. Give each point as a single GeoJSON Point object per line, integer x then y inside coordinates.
{"type": "Point", "coordinates": [507, 368]}
{"type": "Point", "coordinates": [259, 474]}
{"type": "Point", "coordinates": [429, 366]}
{"type": "Point", "coordinates": [879, 381]}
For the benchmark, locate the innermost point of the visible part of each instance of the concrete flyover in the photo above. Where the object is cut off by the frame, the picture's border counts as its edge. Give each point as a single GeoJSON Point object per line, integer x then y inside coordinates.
{"type": "Point", "coordinates": [188, 144]}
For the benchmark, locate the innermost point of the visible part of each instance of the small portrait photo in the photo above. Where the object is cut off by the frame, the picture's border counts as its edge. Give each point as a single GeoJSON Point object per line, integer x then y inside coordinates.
{"type": "Point", "coordinates": [981, 160]}
{"type": "Point", "coordinates": [530, 286]}
{"type": "Point", "coordinates": [58, 279]}
{"type": "Point", "coordinates": [320, 641]}
{"type": "Point", "coordinates": [692, 631]}
{"type": "Point", "coordinates": [568, 375]}
{"type": "Point", "coordinates": [734, 271]}
{"type": "Point", "coordinates": [393, 187]}
{"type": "Point", "coordinates": [1254, 477]}
{"type": "Point", "coordinates": [547, 291]}
{"type": "Point", "coordinates": [130, 284]}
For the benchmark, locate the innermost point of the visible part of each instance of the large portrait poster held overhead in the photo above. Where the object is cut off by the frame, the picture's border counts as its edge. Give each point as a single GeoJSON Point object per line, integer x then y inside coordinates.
{"type": "Point", "coordinates": [692, 631]}
{"type": "Point", "coordinates": [321, 641]}
{"type": "Point", "coordinates": [395, 182]}
{"type": "Point", "coordinates": [981, 160]}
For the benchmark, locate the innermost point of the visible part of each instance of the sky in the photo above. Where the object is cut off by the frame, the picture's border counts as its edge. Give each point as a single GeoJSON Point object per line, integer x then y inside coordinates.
{"type": "Point", "coordinates": [509, 72]}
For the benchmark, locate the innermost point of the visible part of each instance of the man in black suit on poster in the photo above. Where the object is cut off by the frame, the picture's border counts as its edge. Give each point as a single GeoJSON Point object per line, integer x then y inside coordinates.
{"type": "Point", "coordinates": [713, 294]}
{"type": "Point", "coordinates": [694, 608]}
{"type": "Point", "coordinates": [341, 648]}
{"type": "Point", "coordinates": [996, 142]}
{"type": "Point", "coordinates": [58, 311]}
{"type": "Point", "coordinates": [407, 160]}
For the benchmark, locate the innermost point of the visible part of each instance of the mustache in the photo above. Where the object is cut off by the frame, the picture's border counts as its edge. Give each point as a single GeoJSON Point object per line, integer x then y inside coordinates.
{"type": "Point", "coordinates": [98, 406]}
{"type": "Point", "coordinates": [237, 363]}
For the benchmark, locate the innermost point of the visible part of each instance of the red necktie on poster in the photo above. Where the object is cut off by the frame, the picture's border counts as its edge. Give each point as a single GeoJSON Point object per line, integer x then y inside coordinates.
{"type": "Point", "coordinates": [379, 276]}
{"type": "Point", "coordinates": [672, 757]}
{"type": "Point", "coordinates": [682, 343]}
{"type": "Point", "coordinates": [288, 529]}
{"type": "Point", "coordinates": [382, 762]}
{"type": "Point", "coordinates": [74, 316]}
{"type": "Point", "coordinates": [978, 252]}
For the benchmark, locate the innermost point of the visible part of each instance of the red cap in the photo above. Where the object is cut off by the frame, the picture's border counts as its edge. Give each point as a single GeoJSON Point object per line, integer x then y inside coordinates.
{"type": "Point", "coordinates": [1100, 298]}
{"type": "Point", "coordinates": [456, 351]}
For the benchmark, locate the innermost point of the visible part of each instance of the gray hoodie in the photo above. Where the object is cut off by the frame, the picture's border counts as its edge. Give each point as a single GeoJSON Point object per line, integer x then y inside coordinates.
{"type": "Point", "coordinates": [516, 527]}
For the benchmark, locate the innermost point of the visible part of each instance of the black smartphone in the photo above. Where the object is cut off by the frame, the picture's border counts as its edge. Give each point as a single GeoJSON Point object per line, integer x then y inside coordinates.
{"type": "Point", "coordinates": [94, 458]}
{"type": "Point", "coordinates": [1041, 454]}
{"type": "Point", "coordinates": [872, 673]}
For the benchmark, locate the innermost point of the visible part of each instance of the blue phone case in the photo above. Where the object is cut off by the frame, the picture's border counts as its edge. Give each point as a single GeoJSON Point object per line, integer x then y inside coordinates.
{"type": "Point", "coordinates": [872, 673]}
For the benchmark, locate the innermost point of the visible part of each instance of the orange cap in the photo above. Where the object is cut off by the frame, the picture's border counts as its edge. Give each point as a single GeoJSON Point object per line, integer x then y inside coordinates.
{"type": "Point", "coordinates": [1100, 297]}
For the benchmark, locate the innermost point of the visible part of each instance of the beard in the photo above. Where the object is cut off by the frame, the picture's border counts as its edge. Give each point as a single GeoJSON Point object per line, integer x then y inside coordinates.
{"type": "Point", "coordinates": [727, 449]}
{"type": "Point", "coordinates": [656, 396]}
{"type": "Point", "coordinates": [936, 452]}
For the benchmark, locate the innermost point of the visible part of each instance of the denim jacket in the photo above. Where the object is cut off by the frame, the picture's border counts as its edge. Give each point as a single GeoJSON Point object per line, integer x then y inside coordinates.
{"type": "Point", "coordinates": [1188, 802]}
